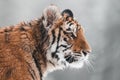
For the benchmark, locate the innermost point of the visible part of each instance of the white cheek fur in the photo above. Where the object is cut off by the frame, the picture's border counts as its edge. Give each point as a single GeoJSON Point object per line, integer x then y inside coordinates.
{"type": "Point", "coordinates": [62, 63]}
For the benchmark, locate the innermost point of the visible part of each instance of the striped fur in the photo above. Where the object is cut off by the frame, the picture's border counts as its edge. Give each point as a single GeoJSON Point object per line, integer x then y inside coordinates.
{"type": "Point", "coordinates": [28, 51]}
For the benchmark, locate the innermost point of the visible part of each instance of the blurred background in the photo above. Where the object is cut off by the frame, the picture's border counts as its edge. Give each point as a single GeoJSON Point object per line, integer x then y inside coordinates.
{"type": "Point", "coordinates": [101, 20]}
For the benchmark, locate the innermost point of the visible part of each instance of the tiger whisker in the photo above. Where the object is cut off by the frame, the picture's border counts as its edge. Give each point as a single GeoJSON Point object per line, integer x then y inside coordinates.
{"type": "Point", "coordinates": [90, 65]}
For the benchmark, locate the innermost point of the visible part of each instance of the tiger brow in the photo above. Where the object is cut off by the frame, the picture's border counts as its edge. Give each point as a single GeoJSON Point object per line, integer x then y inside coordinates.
{"type": "Point", "coordinates": [70, 24]}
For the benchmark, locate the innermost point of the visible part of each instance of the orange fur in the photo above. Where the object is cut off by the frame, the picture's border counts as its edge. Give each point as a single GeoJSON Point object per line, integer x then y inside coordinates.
{"type": "Point", "coordinates": [23, 49]}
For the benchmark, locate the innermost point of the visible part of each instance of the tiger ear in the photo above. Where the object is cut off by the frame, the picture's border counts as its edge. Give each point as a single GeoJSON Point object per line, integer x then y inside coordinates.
{"type": "Point", "coordinates": [50, 15]}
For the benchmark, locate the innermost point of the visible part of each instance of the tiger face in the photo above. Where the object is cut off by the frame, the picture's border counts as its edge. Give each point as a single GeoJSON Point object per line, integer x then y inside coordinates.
{"type": "Point", "coordinates": [68, 45]}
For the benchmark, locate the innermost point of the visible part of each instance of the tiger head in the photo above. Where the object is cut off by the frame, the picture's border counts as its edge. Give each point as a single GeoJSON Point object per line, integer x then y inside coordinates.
{"type": "Point", "coordinates": [68, 45]}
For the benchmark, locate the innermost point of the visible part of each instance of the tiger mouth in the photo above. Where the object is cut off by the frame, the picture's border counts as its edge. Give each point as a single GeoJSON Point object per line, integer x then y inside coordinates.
{"type": "Point", "coordinates": [75, 57]}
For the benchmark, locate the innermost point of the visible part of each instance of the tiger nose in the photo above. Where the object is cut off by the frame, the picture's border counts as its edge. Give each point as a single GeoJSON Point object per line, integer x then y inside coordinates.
{"type": "Point", "coordinates": [85, 52]}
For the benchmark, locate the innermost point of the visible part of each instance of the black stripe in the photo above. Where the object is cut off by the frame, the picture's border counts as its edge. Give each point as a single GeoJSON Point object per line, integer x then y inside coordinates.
{"type": "Point", "coordinates": [22, 28]}
{"type": "Point", "coordinates": [51, 63]}
{"type": "Point", "coordinates": [54, 55]}
{"type": "Point", "coordinates": [70, 34]}
{"type": "Point", "coordinates": [73, 36]}
{"type": "Point", "coordinates": [37, 64]}
{"type": "Point", "coordinates": [58, 39]}
{"type": "Point", "coordinates": [59, 35]}
{"type": "Point", "coordinates": [53, 35]}
{"type": "Point", "coordinates": [65, 32]}
{"type": "Point", "coordinates": [67, 48]}
{"type": "Point", "coordinates": [70, 24]}
{"type": "Point", "coordinates": [31, 71]}
{"type": "Point", "coordinates": [65, 39]}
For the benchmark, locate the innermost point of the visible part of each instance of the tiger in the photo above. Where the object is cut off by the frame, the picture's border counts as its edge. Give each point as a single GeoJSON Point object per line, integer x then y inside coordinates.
{"type": "Point", "coordinates": [30, 50]}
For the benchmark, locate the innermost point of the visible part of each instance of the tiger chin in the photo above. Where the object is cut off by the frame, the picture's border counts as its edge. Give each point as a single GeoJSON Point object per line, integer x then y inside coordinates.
{"type": "Point", "coordinates": [28, 51]}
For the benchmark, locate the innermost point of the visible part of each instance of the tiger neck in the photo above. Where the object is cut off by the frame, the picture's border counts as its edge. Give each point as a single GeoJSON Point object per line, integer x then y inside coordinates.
{"type": "Point", "coordinates": [42, 52]}
{"type": "Point", "coordinates": [40, 35]}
